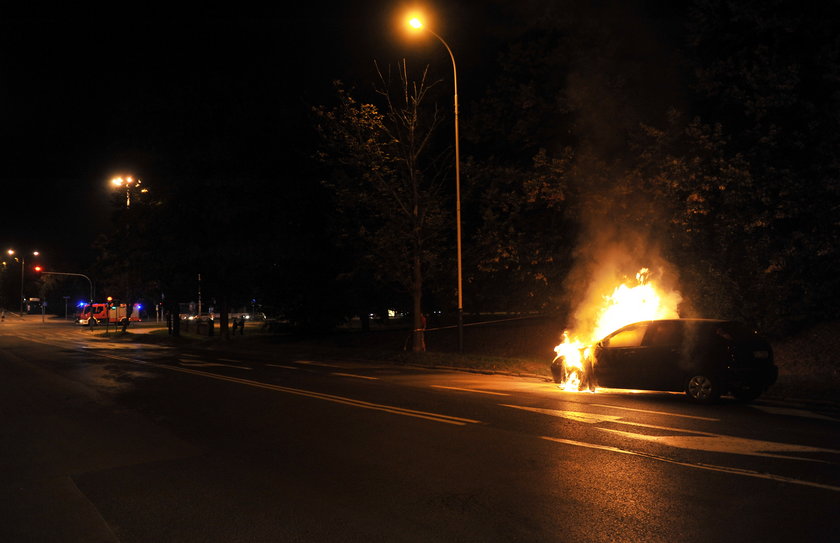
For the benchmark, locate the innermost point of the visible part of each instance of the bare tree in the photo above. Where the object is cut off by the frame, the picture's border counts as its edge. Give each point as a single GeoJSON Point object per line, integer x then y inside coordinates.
{"type": "Point", "coordinates": [387, 180]}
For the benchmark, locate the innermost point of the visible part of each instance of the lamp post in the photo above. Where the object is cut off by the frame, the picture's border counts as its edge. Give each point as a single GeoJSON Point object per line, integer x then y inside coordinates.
{"type": "Point", "coordinates": [127, 182]}
{"type": "Point", "coordinates": [90, 282]}
{"type": "Point", "coordinates": [11, 252]}
{"type": "Point", "coordinates": [417, 24]}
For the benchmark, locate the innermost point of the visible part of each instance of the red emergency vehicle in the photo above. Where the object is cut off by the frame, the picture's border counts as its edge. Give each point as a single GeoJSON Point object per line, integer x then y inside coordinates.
{"type": "Point", "coordinates": [102, 313]}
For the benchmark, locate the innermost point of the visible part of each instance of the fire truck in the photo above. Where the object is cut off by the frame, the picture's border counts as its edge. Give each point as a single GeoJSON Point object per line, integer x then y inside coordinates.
{"type": "Point", "coordinates": [104, 313]}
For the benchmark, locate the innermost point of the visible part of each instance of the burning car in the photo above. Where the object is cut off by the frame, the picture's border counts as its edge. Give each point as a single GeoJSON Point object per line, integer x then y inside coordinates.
{"type": "Point", "coordinates": [703, 357]}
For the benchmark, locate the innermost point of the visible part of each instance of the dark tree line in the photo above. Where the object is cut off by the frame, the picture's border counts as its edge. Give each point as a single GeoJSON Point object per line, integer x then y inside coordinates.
{"type": "Point", "coordinates": [702, 136]}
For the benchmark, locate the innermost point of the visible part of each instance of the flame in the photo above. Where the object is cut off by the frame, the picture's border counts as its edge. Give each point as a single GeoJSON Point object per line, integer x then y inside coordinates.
{"type": "Point", "coordinates": [627, 304]}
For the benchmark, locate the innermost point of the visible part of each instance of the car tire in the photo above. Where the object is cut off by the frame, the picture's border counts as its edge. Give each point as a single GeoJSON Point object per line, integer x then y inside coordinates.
{"type": "Point", "coordinates": [747, 394]}
{"type": "Point", "coordinates": [703, 388]}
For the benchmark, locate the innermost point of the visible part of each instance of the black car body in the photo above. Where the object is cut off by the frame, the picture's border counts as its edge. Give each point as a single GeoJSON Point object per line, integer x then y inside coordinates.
{"type": "Point", "coordinates": [703, 357]}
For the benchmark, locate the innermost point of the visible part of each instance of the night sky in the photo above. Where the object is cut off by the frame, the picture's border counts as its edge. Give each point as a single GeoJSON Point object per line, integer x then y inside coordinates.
{"type": "Point", "coordinates": [82, 100]}
{"type": "Point", "coordinates": [157, 96]}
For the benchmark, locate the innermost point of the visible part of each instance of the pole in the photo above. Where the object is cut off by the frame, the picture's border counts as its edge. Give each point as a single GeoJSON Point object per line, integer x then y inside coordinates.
{"type": "Point", "coordinates": [75, 275]}
{"type": "Point", "coordinates": [22, 267]}
{"type": "Point", "coordinates": [457, 197]}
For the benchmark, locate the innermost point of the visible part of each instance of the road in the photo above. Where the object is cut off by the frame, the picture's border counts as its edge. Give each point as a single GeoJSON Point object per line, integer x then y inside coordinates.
{"type": "Point", "coordinates": [104, 440]}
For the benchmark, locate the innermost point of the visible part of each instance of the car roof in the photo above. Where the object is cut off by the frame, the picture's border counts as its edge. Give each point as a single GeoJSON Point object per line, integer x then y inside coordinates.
{"type": "Point", "coordinates": [690, 320]}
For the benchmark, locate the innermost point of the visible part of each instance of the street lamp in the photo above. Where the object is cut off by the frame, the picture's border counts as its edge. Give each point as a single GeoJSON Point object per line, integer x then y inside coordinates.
{"type": "Point", "coordinates": [11, 252]}
{"type": "Point", "coordinates": [416, 24]}
{"type": "Point", "coordinates": [127, 182]}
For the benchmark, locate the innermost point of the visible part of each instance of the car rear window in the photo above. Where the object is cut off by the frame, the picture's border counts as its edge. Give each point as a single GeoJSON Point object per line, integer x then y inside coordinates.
{"type": "Point", "coordinates": [665, 333]}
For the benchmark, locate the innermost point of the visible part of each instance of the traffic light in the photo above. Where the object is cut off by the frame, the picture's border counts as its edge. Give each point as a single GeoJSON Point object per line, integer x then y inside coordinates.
{"type": "Point", "coordinates": [38, 269]}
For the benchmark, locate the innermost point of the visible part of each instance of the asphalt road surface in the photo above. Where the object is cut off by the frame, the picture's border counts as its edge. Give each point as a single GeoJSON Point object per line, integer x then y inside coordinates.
{"type": "Point", "coordinates": [106, 441]}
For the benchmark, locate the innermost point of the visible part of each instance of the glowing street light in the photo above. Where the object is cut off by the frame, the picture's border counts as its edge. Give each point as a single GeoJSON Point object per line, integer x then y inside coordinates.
{"type": "Point", "coordinates": [22, 260]}
{"type": "Point", "coordinates": [415, 23]}
{"type": "Point", "coordinates": [127, 182]}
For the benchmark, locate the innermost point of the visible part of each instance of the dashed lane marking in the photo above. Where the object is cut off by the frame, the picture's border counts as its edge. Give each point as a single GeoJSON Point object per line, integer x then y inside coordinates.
{"type": "Point", "coordinates": [696, 441]}
{"type": "Point", "coordinates": [340, 374]}
{"type": "Point", "coordinates": [426, 415]}
{"type": "Point", "coordinates": [322, 364]}
{"type": "Point", "coordinates": [793, 412]}
{"type": "Point", "coordinates": [471, 390]}
{"type": "Point", "coordinates": [655, 412]}
{"type": "Point", "coordinates": [709, 467]}
{"type": "Point", "coordinates": [198, 364]}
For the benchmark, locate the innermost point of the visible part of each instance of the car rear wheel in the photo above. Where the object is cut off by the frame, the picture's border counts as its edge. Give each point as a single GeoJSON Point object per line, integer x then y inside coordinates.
{"type": "Point", "coordinates": [703, 388]}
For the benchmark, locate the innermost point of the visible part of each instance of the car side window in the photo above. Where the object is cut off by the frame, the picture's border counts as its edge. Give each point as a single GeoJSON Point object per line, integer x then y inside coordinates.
{"type": "Point", "coordinates": [664, 334]}
{"type": "Point", "coordinates": [629, 337]}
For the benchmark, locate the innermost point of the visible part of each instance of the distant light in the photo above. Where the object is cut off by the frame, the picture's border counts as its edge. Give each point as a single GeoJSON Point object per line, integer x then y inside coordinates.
{"type": "Point", "coordinates": [414, 22]}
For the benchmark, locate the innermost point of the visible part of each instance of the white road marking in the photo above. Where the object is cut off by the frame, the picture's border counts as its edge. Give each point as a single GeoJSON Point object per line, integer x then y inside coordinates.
{"type": "Point", "coordinates": [435, 417]}
{"type": "Point", "coordinates": [311, 363]}
{"type": "Point", "coordinates": [282, 366]}
{"type": "Point", "coordinates": [729, 444]}
{"type": "Point", "coordinates": [354, 375]}
{"type": "Point", "coordinates": [579, 416]}
{"type": "Point", "coordinates": [793, 412]}
{"type": "Point", "coordinates": [709, 467]}
{"type": "Point", "coordinates": [699, 441]}
{"type": "Point", "coordinates": [654, 412]}
{"type": "Point", "coordinates": [471, 390]}
{"type": "Point", "coordinates": [197, 364]}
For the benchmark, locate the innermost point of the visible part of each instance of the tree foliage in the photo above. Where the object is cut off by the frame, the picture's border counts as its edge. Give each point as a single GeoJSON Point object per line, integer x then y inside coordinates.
{"type": "Point", "coordinates": [583, 143]}
{"type": "Point", "coordinates": [386, 176]}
